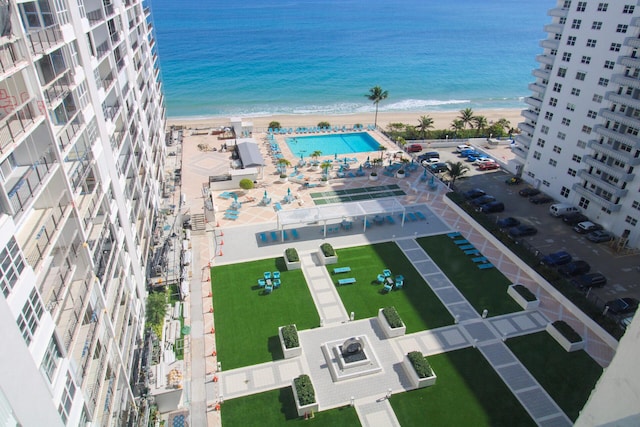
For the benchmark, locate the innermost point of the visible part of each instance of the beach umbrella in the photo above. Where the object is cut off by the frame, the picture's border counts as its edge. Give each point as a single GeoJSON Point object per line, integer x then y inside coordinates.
{"type": "Point", "coordinates": [335, 156]}
{"type": "Point", "coordinates": [345, 160]}
{"type": "Point", "coordinates": [265, 194]}
{"type": "Point", "coordinates": [360, 168]}
{"type": "Point", "coordinates": [425, 173]}
{"type": "Point", "coordinates": [432, 181]}
{"type": "Point", "coordinates": [235, 197]}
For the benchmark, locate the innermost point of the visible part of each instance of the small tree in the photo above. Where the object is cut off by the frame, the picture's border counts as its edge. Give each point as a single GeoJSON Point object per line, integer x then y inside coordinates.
{"type": "Point", "coordinates": [376, 94]}
{"type": "Point", "coordinates": [325, 167]}
{"type": "Point", "coordinates": [156, 310]}
{"type": "Point", "coordinates": [316, 154]}
{"type": "Point", "coordinates": [324, 125]}
{"type": "Point", "coordinates": [282, 166]}
{"type": "Point", "coordinates": [456, 170]}
{"type": "Point", "coordinates": [381, 149]}
{"type": "Point", "coordinates": [246, 184]}
{"type": "Point", "coordinates": [425, 123]}
{"type": "Point", "coordinates": [274, 125]}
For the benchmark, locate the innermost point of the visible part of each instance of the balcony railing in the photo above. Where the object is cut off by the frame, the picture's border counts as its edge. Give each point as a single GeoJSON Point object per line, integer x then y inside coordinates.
{"type": "Point", "coordinates": [107, 81]}
{"type": "Point", "coordinates": [15, 124]}
{"type": "Point", "coordinates": [115, 37]}
{"type": "Point", "coordinates": [38, 247]}
{"type": "Point", "coordinates": [45, 39]}
{"type": "Point", "coordinates": [75, 307]}
{"type": "Point", "coordinates": [110, 111]}
{"type": "Point", "coordinates": [109, 9]}
{"type": "Point", "coordinates": [585, 192]}
{"type": "Point", "coordinates": [103, 49]}
{"type": "Point", "coordinates": [58, 89]}
{"type": "Point", "coordinates": [26, 186]}
{"type": "Point", "coordinates": [70, 131]}
{"type": "Point", "coordinates": [10, 56]}
{"type": "Point", "coordinates": [95, 16]}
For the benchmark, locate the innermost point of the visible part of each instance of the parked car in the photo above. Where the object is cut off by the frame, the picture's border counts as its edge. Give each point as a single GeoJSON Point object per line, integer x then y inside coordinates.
{"type": "Point", "coordinates": [541, 199]}
{"type": "Point", "coordinates": [483, 200]}
{"type": "Point", "coordinates": [591, 280]}
{"type": "Point", "coordinates": [562, 209]}
{"type": "Point", "coordinates": [470, 152]}
{"type": "Point", "coordinates": [586, 227]}
{"type": "Point", "coordinates": [492, 207]}
{"type": "Point", "coordinates": [557, 258]}
{"type": "Point", "coordinates": [430, 157]}
{"type": "Point", "coordinates": [508, 222]}
{"type": "Point", "coordinates": [600, 236]}
{"type": "Point", "coordinates": [414, 148]}
{"type": "Point", "coordinates": [484, 159]}
{"type": "Point", "coordinates": [529, 192]}
{"type": "Point", "coordinates": [488, 166]}
{"type": "Point", "coordinates": [522, 230]}
{"type": "Point", "coordinates": [438, 167]}
{"type": "Point", "coordinates": [462, 147]}
{"type": "Point", "coordinates": [473, 193]}
{"type": "Point", "coordinates": [622, 305]}
{"type": "Point", "coordinates": [574, 218]}
{"type": "Point", "coordinates": [575, 268]}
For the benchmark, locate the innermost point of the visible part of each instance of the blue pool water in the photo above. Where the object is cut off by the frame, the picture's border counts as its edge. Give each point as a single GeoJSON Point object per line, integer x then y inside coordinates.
{"type": "Point", "coordinates": [332, 144]}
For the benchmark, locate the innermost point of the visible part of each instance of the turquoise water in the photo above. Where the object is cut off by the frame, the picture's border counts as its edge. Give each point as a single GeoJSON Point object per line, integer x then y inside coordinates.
{"type": "Point", "coordinates": [332, 144]}
{"type": "Point", "coordinates": [261, 57]}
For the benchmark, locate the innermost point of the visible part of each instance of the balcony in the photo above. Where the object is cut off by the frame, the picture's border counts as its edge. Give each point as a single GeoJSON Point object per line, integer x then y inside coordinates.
{"type": "Point", "coordinates": [72, 311]}
{"type": "Point", "coordinates": [626, 81]}
{"type": "Point", "coordinates": [11, 56]}
{"type": "Point", "coordinates": [534, 102]}
{"type": "Point", "coordinates": [553, 28]}
{"type": "Point", "coordinates": [17, 123]}
{"type": "Point", "coordinates": [629, 61]}
{"type": "Point", "coordinates": [617, 172]}
{"type": "Point", "coordinates": [531, 115]}
{"type": "Point", "coordinates": [620, 118]}
{"type": "Point", "coordinates": [598, 182]}
{"type": "Point", "coordinates": [558, 12]}
{"type": "Point", "coordinates": [103, 49]}
{"type": "Point", "coordinates": [54, 287]}
{"type": "Point", "coordinates": [540, 73]}
{"type": "Point", "coordinates": [115, 37]}
{"type": "Point", "coordinates": [109, 9]}
{"type": "Point", "coordinates": [545, 59]}
{"type": "Point", "coordinates": [610, 133]}
{"type": "Point", "coordinates": [632, 41]}
{"type": "Point", "coordinates": [623, 100]}
{"type": "Point", "coordinates": [45, 39]}
{"type": "Point", "coordinates": [110, 111]}
{"type": "Point", "coordinates": [58, 89]}
{"type": "Point", "coordinates": [549, 43]}
{"type": "Point", "coordinates": [526, 127]}
{"type": "Point", "coordinates": [95, 16]}
{"type": "Point", "coordinates": [608, 150]}
{"type": "Point", "coordinates": [523, 139]}
{"type": "Point", "coordinates": [520, 152]}
{"type": "Point", "coordinates": [579, 189]}
{"type": "Point", "coordinates": [537, 88]}
{"type": "Point", "coordinates": [68, 132]}
{"type": "Point", "coordinates": [25, 180]}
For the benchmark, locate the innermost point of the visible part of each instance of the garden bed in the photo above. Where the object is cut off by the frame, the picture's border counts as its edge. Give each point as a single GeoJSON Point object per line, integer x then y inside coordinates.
{"type": "Point", "coordinates": [565, 335]}
{"type": "Point", "coordinates": [523, 296]}
{"type": "Point", "coordinates": [327, 255]}
{"type": "Point", "coordinates": [289, 336]}
{"type": "Point", "coordinates": [304, 395]}
{"type": "Point", "coordinates": [389, 330]}
{"type": "Point", "coordinates": [292, 259]}
{"type": "Point", "coordinates": [426, 378]}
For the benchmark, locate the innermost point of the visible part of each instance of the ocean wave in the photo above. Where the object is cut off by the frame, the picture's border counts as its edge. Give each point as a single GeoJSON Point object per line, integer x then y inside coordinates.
{"type": "Point", "coordinates": [417, 104]}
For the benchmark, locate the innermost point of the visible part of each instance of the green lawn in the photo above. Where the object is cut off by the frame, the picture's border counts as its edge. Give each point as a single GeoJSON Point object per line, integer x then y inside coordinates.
{"type": "Point", "coordinates": [484, 289]}
{"type": "Point", "coordinates": [276, 407]}
{"type": "Point", "coordinates": [416, 303]}
{"type": "Point", "coordinates": [468, 392]}
{"type": "Point", "coordinates": [567, 377]}
{"type": "Point", "coordinates": [246, 320]}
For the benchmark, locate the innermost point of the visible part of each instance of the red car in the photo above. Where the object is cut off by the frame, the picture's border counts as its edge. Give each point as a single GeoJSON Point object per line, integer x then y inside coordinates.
{"type": "Point", "coordinates": [414, 148]}
{"type": "Point", "coordinates": [488, 166]}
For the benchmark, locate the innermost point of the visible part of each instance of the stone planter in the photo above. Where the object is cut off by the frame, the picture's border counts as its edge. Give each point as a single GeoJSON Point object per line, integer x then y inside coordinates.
{"type": "Point", "coordinates": [526, 305]}
{"type": "Point", "coordinates": [400, 174]}
{"type": "Point", "coordinates": [325, 260]}
{"type": "Point", "coordinates": [373, 177]}
{"type": "Point", "coordinates": [288, 352]}
{"type": "Point", "coordinates": [297, 265]}
{"type": "Point", "coordinates": [303, 409]}
{"type": "Point", "coordinates": [416, 381]}
{"type": "Point", "coordinates": [562, 340]}
{"type": "Point", "coordinates": [284, 179]}
{"type": "Point", "coordinates": [388, 331]}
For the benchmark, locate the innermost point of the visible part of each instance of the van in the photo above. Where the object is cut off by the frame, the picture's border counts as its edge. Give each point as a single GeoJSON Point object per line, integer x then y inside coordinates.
{"type": "Point", "coordinates": [561, 209]}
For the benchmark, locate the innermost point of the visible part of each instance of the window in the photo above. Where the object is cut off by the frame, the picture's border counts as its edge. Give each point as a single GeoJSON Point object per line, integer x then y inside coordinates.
{"type": "Point", "coordinates": [557, 36]}
{"type": "Point", "coordinates": [576, 158]}
{"type": "Point", "coordinates": [580, 75]}
{"type": "Point", "coordinates": [591, 43]}
{"type": "Point", "coordinates": [537, 155]}
{"type": "Point", "coordinates": [562, 20]}
{"type": "Point", "coordinates": [615, 47]}
{"type": "Point", "coordinates": [592, 114]}
{"type": "Point", "coordinates": [635, 205]}
{"type": "Point", "coordinates": [553, 101]}
{"type": "Point", "coordinates": [562, 72]}
{"type": "Point", "coordinates": [553, 52]}
{"type": "Point", "coordinates": [602, 7]}
{"type": "Point", "coordinates": [586, 129]}
{"type": "Point", "coordinates": [540, 142]}
{"type": "Point", "coordinates": [566, 4]}
{"type": "Point", "coordinates": [546, 183]}
{"type": "Point", "coordinates": [553, 162]}
{"type": "Point", "coordinates": [603, 82]}
{"type": "Point", "coordinates": [66, 400]}
{"type": "Point", "coordinates": [575, 91]}
{"type": "Point", "coordinates": [582, 5]}
{"type": "Point", "coordinates": [531, 174]}
{"type": "Point", "coordinates": [571, 41]}
{"type": "Point", "coordinates": [29, 318]}
{"type": "Point", "coordinates": [586, 60]}
{"type": "Point", "coordinates": [631, 220]}
{"type": "Point", "coordinates": [629, 8]}
{"type": "Point", "coordinates": [597, 25]}
{"type": "Point", "coordinates": [83, 99]}
{"type": "Point", "coordinates": [50, 360]}
{"type": "Point", "coordinates": [571, 107]}
{"type": "Point", "coordinates": [571, 172]}
{"type": "Point", "coordinates": [576, 23]}
{"type": "Point", "coordinates": [557, 149]}
{"type": "Point", "coordinates": [11, 265]}
{"type": "Point", "coordinates": [544, 129]}
{"type": "Point", "coordinates": [583, 203]}
{"type": "Point", "coordinates": [622, 28]}
{"type": "Point", "coordinates": [557, 87]}
{"type": "Point", "coordinates": [609, 65]}
{"type": "Point", "coordinates": [562, 136]}
{"type": "Point", "coordinates": [548, 115]}
{"type": "Point", "coordinates": [581, 144]}
{"type": "Point", "coordinates": [597, 98]}
{"type": "Point", "coordinates": [564, 192]}
{"type": "Point", "coordinates": [565, 121]}
{"type": "Point", "coordinates": [566, 57]}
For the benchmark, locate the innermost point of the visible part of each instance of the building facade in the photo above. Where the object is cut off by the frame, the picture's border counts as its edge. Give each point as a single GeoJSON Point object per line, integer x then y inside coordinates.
{"type": "Point", "coordinates": [579, 138]}
{"type": "Point", "coordinates": [81, 161]}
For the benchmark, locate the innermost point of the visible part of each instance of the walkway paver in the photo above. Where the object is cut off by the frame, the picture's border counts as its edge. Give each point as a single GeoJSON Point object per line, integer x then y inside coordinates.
{"type": "Point", "coordinates": [377, 413]}
{"type": "Point", "coordinates": [323, 291]}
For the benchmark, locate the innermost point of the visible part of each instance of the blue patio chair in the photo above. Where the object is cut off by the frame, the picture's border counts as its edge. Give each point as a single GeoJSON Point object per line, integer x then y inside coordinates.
{"type": "Point", "coordinates": [262, 283]}
{"type": "Point", "coordinates": [263, 237]}
{"type": "Point", "coordinates": [267, 275]}
{"type": "Point", "coordinates": [276, 274]}
{"type": "Point", "coordinates": [274, 236]}
{"type": "Point", "coordinates": [387, 288]}
{"type": "Point", "coordinates": [276, 283]}
{"type": "Point", "coordinates": [399, 284]}
{"type": "Point", "coordinates": [285, 235]}
{"type": "Point", "coordinates": [268, 289]}
{"type": "Point", "coordinates": [380, 278]}
{"type": "Point", "coordinates": [386, 272]}
{"type": "Point", "coordinates": [295, 234]}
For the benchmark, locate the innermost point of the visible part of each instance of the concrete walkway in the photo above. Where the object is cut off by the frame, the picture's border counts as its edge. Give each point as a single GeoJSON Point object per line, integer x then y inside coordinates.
{"type": "Point", "coordinates": [323, 291]}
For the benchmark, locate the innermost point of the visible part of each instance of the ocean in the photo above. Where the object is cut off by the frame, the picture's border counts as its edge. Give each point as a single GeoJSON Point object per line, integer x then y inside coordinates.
{"type": "Point", "coordinates": [262, 57]}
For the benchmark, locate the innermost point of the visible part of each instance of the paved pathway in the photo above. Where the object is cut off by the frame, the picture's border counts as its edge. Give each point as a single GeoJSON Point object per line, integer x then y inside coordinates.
{"type": "Point", "coordinates": [324, 293]}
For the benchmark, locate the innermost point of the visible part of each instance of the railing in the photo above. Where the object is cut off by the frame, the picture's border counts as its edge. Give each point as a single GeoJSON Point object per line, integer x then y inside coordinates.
{"type": "Point", "coordinates": [61, 275]}
{"type": "Point", "coordinates": [115, 37]}
{"type": "Point", "coordinates": [95, 16]}
{"type": "Point", "coordinates": [109, 9]}
{"type": "Point", "coordinates": [107, 81]}
{"type": "Point", "coordinates": [41, 41]}
{"type": "Point", "coordinates": [111, 111]}
{"type": "Point", "coordinates": [81, 170]}
{"type": "Point", "coordinates": [58, 89]}
{"type": "Point", "coordinates": [15, 124]}
{"type": "Point", "coordinates": [45, 234]}
{"type": "Point", "coordinates": [120, 64]}
{"type": "Point", "coordinates": [24, 190]}
{"type": "Point", "coordinates": [10, 55]}
{"type": "Point", "coordinates": [116, 139]}
{"type": "Point", "coordinates": [70, 131]}
{"type": "Point", "coordinates": [103, 49]}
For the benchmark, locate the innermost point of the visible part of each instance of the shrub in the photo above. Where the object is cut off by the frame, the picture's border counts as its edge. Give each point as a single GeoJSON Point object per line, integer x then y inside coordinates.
{"type": "Point", "coordinates": [374, 174]}
{"type": "Point", "coordinates": [274, 125]}
{"type": "Point", "coordinates": [290, 336]}
{"type": "Point", "coordinates": [304, 389]}
{"type": "Point", "coordinates": [525, 292]}
{"type": "Point", "coordinates": [246, 184]}
{"type": "Point", "coordinates": [420, 364]}
{"type": "Point", "coordinates": [567, 331]}
{"type": "Point", "coordinates": [283, 175]}
{"type": "Point", "coordinates": [292, 255]}
{"type": "Point", "coordinates": [392, 316]}
{"type": "Point", "coordinates": [324, 125]}
{"type": "Point", "coordinates": [327, 250]}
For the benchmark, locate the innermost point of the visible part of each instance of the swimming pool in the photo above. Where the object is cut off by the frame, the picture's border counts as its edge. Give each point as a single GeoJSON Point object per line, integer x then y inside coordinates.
{"type": "Point", "coordinates": [332, 144]}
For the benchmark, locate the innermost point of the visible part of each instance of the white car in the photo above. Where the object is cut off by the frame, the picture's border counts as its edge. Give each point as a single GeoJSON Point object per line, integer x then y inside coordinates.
{"type": "Point", "coordinates": [430, 160]}
{"type": "Point", "coordinates": [481, 160]}
{"type": "Point", "coordinates": [463, 147]}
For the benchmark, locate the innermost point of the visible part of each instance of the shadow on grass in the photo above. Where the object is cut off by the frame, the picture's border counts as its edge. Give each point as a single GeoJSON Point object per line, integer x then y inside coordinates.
{"type": "Point", "coordinates": [275, 349]}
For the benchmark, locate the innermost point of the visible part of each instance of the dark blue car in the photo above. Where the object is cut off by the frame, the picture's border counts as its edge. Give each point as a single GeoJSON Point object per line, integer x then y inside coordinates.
{"type": "Point", "coordinates": [557, 258]}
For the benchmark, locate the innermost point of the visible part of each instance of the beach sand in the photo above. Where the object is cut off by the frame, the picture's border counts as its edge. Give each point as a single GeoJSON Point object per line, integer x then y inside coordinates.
{"type": "Point", "coordinates": [441, 119]}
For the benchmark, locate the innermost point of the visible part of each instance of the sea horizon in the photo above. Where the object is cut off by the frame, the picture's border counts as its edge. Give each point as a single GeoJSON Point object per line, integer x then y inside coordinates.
{"type": "Point", "coordinates": [268, 58]}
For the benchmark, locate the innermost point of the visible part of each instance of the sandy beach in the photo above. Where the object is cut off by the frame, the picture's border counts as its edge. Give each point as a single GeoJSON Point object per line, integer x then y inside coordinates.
{"type": "Point", "coordinates": [442, 119]}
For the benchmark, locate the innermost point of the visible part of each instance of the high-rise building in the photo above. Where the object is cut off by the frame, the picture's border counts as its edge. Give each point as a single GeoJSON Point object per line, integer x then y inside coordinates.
{"type": "Point", "coordinates": [81, 158]}
{"type": "Point", "coordinates": [579, 141]}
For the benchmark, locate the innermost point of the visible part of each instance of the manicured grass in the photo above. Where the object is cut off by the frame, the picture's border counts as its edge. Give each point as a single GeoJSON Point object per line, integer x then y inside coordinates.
{"type": "Point", "coordinates": [416, 303]}
{"type": "Point", "coordinates": [567, 377]}
{"type": "Point", "coordinates": [468, 392]}
{"type": "Point", "coordinates": [276, 407]}
{"type": "Point", "coordinates": [247, 320]}
{"type": "Point", "coordinates": [484, 289]}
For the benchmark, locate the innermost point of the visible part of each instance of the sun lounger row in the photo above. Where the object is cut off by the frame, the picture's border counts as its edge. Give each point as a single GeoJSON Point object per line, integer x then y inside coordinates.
{"type": "Point", "coordinates": [275, 235]}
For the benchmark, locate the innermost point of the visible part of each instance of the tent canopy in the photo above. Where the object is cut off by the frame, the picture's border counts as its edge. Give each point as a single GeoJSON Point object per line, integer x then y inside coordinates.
{"type": "Point", "coordinates": [338, 211]}
{"type": "Point", "coordinates": [250, 155]}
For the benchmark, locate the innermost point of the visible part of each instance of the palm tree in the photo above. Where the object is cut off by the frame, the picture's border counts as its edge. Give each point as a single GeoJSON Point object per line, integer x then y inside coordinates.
{"type": "Point", "coordinates": [316, 154]}
{"type": "Point", "coordinates": [466, 116]}
{"type": "Point", "coordinates": [156, 308]}
{"type": "Point", "coordinates": [282, 165]}
{"type": "Point", "coordinates": [375, 95]}
{"type": "Point", "coordinates": [504, 124]}
{"type": "Point", "coordinates": [325, 167]}
{"type": "Point", "coordinates": [456, 170]}
{"type": "Point", "coordinates": [480, 122]}
{"type": "Point", "coordinates": [457, 126]}
{"type": "Point", "coordinates": [424, 124]}
{"type": "Point", "coordinates": [381, 149]}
